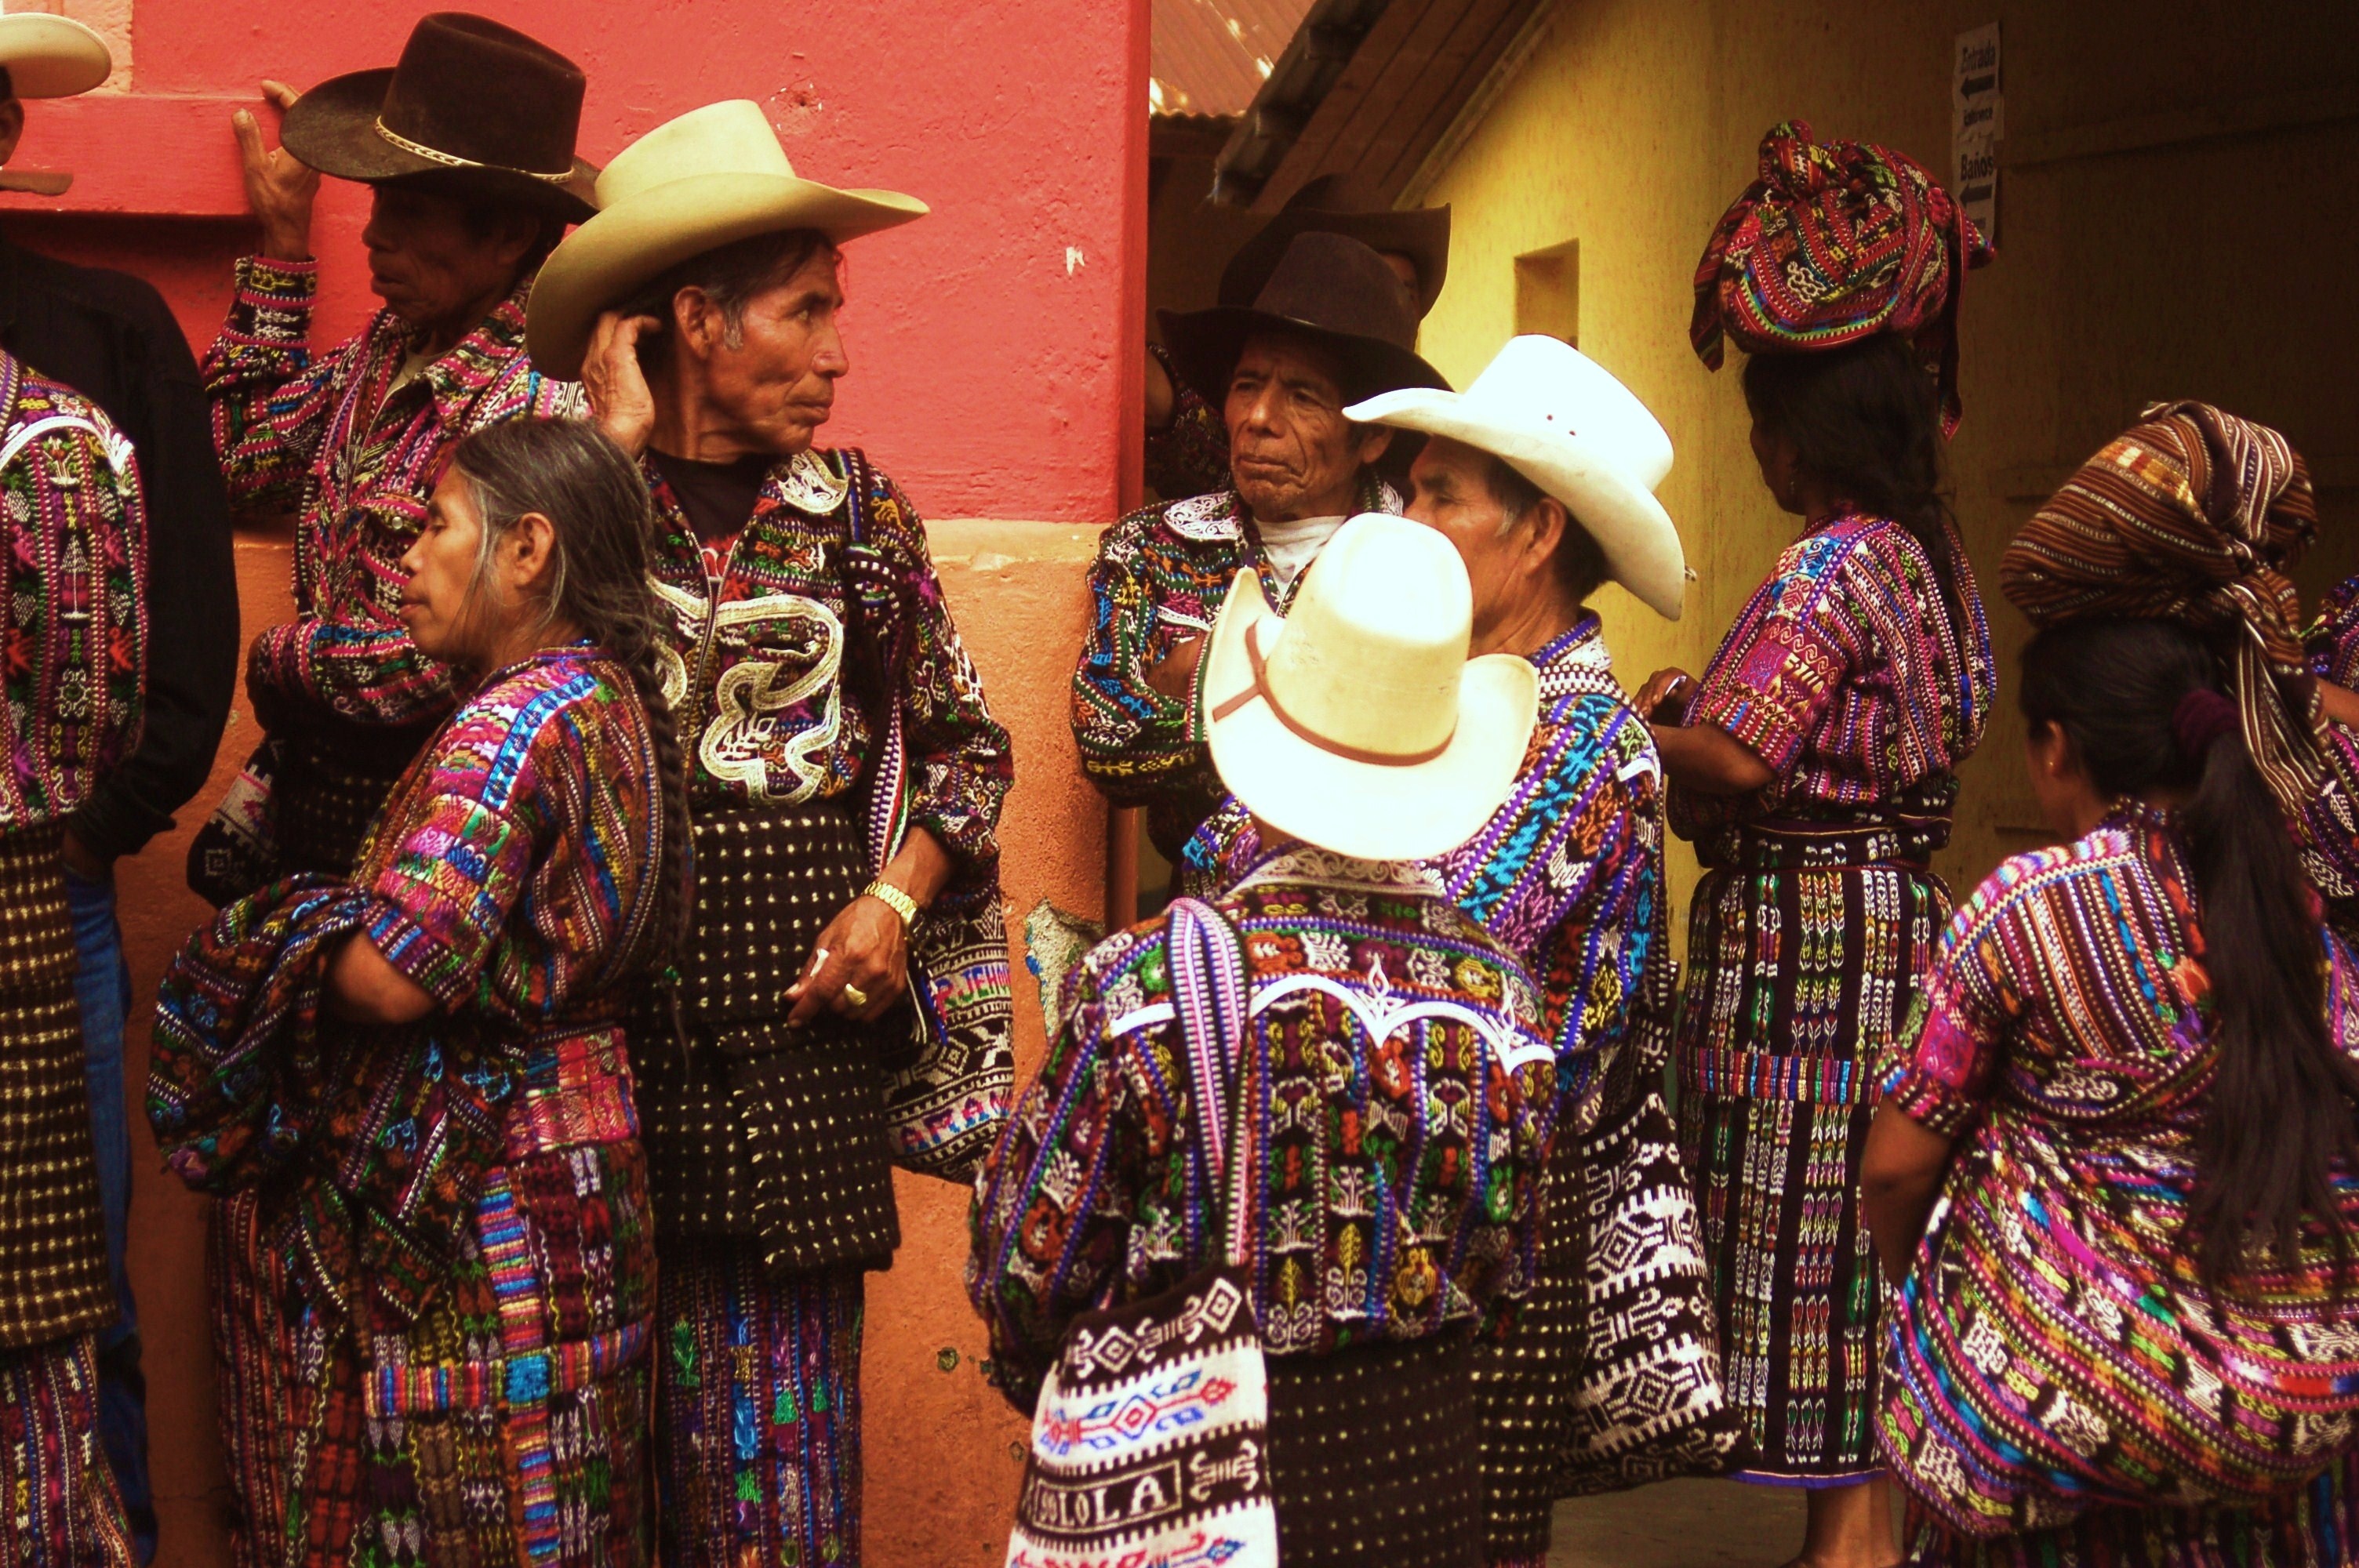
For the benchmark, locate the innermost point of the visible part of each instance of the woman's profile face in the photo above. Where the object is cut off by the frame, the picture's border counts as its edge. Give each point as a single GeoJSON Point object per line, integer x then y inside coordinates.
{"type": "Point", "coordinates": [437, 603]}
{"type": "Point", "coordinates": [1778, 468]}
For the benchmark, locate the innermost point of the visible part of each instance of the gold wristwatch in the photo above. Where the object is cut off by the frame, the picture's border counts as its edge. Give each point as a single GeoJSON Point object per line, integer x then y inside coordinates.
{"type": "Point", "coordinates": [893, 898]}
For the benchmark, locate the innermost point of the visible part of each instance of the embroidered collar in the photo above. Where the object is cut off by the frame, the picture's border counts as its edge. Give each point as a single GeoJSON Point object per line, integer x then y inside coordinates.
{"type": "Point", "coordinates": [1299, 862]}
{"type": "Point", "coordinates": [473, 363]}
{"type": "Point", "coordinates": [1577, 662]}
{"type": "Point", "coordinates": [1219, 516]}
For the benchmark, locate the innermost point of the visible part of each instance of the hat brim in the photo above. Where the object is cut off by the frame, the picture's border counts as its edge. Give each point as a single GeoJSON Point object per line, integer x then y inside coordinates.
{"type": "Point", "coordinates": [52, 57]}
{"type": "Point", "coordinates": [1420, 233]}
{"type": "Point", "coordinates": [1368, 810]}
{"type": "Point", "coordinates": [598, 265]}
{"type": "Point", "coordinates": [1637, 538]}
{"type": "Point", "coordinates": [332, 128]}
{"type": "Point", "coordinates": [1204, 346]}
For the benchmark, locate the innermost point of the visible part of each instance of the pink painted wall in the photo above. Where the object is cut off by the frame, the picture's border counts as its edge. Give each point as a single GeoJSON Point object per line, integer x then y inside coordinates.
{"type": "Point", "coordinates": [994, 350]}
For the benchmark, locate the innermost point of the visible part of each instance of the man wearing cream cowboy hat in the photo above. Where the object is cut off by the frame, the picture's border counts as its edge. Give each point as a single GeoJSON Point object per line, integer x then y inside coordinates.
{"type": "Point", "coordinates": [1379, 1020]}
{"type": "Point", "coordinates": [1542, 474]}
{"type": "Point", "coordinates": [845, 991]}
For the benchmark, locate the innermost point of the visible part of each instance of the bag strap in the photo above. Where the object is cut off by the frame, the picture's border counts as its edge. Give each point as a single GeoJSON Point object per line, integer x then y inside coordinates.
{"type": "Point", "coordinates": [1212, 1001]}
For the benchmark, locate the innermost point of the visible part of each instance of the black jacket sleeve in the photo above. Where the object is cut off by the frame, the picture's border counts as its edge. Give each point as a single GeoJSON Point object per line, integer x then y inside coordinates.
{"type": "Point", "coordinates": [192, 626]}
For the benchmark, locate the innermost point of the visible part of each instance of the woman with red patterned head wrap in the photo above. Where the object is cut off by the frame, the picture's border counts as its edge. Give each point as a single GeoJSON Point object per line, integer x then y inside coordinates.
{"type": "Point", "coordinates": [1814, 766]}
{"type": "Point", "coordinates": [2113, 1176]}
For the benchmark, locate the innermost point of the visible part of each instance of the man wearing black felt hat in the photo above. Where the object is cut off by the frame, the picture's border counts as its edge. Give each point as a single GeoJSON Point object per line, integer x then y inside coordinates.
{"type": "Point", "coordinates": [467, 147]}
{"type": "Point", "coordinates": [1187, 444]}
{"type": "Point", "coordinates": [1331, 324]}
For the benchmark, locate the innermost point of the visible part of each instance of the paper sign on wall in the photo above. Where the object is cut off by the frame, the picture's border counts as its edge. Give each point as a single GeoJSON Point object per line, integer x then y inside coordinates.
{"type": "Point", "coordinates": [1977, 122]}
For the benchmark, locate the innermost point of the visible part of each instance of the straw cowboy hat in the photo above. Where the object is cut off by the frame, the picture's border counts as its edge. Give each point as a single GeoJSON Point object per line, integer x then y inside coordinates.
{"type": "Point", "coordinates": [472, 105]}
{"type": "Point", "coordinates": [1563, 421]}
{"type": "Point", "coordinates": [1357, 724]}
{"type": "Point", "coordinates": [713, 175]}
{"type": "Point", "coordinates": [1332, 290]}
{"type": "Point", "coordinates": [1342, 204]}
{"type": "Point", "coordinates": [49, 56]}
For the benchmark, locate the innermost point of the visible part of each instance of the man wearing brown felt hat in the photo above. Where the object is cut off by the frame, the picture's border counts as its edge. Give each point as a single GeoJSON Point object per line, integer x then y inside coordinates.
{"type": "Point", "coordinates": [467, 146]}
{"type": "Point", "coordinates": [1332, 324]}
{"type": "Point", "coordinates": [1187, 442]}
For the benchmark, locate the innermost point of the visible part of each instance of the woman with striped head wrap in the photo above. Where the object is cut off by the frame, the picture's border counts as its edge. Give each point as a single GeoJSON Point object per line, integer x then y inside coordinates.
{"type": "Point", "coordinates": [2114, 1176]}
{"type": "Point", "coordinates": [1814, 766]}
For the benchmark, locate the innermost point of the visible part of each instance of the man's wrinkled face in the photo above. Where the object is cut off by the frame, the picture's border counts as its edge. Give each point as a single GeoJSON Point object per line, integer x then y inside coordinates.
{"type": "Point", "coordinates": [425, 260]}
{"type": "Point", "coordinates": [1290, 449]}
{"type": "Point", "coordinates": [1450, 493]}
{"type": "Point", "coordinates": [774, 377]}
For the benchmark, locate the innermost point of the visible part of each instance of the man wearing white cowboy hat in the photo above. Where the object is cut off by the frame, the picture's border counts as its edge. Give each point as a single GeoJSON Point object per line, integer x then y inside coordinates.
{"type": "Point", "coordinates": [1543, 474]}
{"type": "Point", "coordinates": [1397, 1089]}
{"type": "Point", "coordinates": [1332, 323]}
{"type": "Point", "coordinates": [112, 338]}
{"type": "Point", "coordinates": [466, 145]}
{"type": "Point", "coordinates": [845, 784]}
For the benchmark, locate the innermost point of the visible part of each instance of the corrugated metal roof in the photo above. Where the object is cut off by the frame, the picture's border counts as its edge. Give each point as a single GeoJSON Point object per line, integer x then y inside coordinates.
{"type": "Point", "coordinates": [1210, 56]}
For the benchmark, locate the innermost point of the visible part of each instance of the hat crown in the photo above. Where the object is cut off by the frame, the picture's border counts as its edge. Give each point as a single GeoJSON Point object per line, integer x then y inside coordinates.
{"type": "Point", "coordinates": [732, 136]}
{"type": "Point", "coordinates": [1335, 284]}
{"type": "Point", "coordinates": [474, 90]}
{"type": "Point", "coordinates": [1373, 652]}
{"type": "Point", "coordinates": [1546, 386]}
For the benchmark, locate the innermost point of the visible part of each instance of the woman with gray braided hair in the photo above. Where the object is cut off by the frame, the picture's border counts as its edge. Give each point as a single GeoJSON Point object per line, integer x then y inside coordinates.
{"type": "Point", "coordinates": [411, 1084]}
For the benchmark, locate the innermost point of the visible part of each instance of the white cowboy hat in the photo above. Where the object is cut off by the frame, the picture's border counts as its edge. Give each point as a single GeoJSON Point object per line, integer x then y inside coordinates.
{"type": "Point", "coordinates": [49, 56]}
{"type": "Point", "coordinates": [1560, 418]}
{"type": "Point", "coordinates": [1357, 724]}
{"type": "Point", "coordinates": [712, 176]}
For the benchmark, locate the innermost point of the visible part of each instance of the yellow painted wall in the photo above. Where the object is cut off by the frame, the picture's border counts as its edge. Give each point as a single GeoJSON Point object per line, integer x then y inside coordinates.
{"type": "Point", "coordinates": [2213, 268]}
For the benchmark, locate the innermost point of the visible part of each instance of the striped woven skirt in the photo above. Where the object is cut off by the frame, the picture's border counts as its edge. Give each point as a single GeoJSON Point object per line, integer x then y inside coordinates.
{"type": "Point", "coordinates": [506, 1425]}
{"type": "Point", "coordinates": [1373, 1456]}
{"type": "Point", "coordinates": [1798, 978]}
{"type": "Point", "coordinates": [757, 1409]}
{"type": "Point", "coordinates": [2316, 1527]}
{"type": "Point", "coordinates": [59, 1508]}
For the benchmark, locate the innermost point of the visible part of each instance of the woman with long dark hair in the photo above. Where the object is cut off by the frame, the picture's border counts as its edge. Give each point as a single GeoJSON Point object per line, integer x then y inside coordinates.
{"type": "Point", "coordinates": [2126, 1332]}
{"type": "Point", "coordinates": [1814, 766]}
{"type": "Point", "coordinates": [412, 1082]}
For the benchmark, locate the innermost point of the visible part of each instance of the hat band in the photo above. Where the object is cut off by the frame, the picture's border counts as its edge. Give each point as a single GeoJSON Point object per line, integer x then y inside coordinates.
{"type": "Point", "coordinates": [452, 160]}
{"type": "Point", "coordinates": [1302, 731]}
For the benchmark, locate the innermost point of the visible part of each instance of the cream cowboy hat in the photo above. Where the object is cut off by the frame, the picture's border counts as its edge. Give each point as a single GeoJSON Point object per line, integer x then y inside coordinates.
{"type": "Point", "coordinates": [1560, 419]}
{"type": "Point", "coordinates": [712, 176]}
{"type": "Point", "coordinates": [49, 56]}
{"type": "Point", "coordinates": [1357, 724]}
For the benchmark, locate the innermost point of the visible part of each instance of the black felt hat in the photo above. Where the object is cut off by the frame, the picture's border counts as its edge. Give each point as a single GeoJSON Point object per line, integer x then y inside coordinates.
{"type": "Point", "coordinates": [1337, 204]}
{"type": "Point", "coordinates": [1332, 290]}
{"type": "Point", "coordinates": [472, 106]}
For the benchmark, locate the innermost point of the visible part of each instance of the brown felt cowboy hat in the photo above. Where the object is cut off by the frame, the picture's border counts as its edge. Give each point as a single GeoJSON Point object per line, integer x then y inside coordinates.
{"type": "Point", "coordinates": [1341, 204]}
{"type": "Point", "coordinates": [472, 106]}
{"type": "Point", "coordinates": [1332, 290]}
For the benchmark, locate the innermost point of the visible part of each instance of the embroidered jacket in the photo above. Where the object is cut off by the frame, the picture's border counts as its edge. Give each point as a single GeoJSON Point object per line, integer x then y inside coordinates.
{"type": "Point", "coordinates": [1393, 1147]}
{"type": "Point", "coordinates": [513, 877]}
{"type": "Point", "coordinates": [74, 622]}
{"type": "Point", "coordinates": [322, 434]}
{"type": "Point", "coordinates": [1846, 676]}
{"type": "Point", "coordinates": [819, 662]}
{"type": "Point", "coordinates": [2329, 830]}
{"type": "Point", "coordinates": [767, 671]}
{"type": "Point", "coordinates": [1567, 875]}
{"type": "Point", "coordinates": [1159, 579]}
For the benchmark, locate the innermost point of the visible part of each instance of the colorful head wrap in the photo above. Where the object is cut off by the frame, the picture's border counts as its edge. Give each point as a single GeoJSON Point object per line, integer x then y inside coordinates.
{"type": "Point", "coordinates": [2192, 515]}
{"type": "Point", "coordinates": [1836, 241]}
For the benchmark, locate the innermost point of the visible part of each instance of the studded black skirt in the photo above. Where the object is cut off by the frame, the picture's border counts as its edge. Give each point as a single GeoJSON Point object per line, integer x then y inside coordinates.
{"type": "Point", "coordinates": [758, 1129]}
